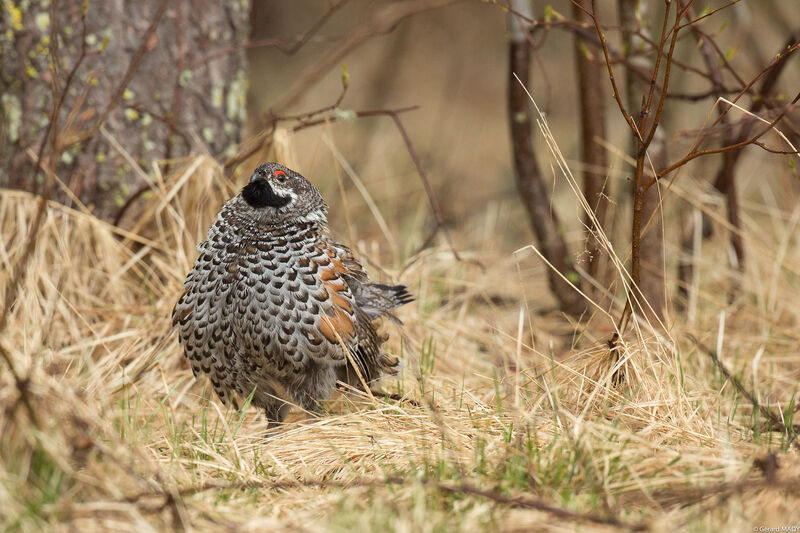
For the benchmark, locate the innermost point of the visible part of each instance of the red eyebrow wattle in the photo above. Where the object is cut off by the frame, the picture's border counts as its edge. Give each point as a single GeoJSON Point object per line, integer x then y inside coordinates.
{"type": "Point", "coordinates": [279, 173]}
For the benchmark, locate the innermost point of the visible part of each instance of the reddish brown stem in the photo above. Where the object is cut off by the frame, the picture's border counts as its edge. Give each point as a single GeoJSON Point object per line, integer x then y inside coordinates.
{"type": "Point", "coordinates": [743, 141]}
{"type": "Point", "coordinates": [694, 154]}
{"type": "Point", "coordinates": [770, 79]}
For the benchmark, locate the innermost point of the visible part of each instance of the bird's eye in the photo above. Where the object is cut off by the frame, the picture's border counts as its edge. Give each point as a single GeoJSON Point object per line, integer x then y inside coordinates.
{"type": "Point", "coordinates": [280, 175]}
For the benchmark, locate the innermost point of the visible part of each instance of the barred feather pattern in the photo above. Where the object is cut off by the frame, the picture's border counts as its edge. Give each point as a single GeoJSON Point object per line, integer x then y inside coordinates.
{"type": "Point", "coordinates": [275, 307]}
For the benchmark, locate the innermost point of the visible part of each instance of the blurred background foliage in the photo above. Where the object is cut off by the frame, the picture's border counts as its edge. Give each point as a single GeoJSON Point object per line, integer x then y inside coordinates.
{"type": "Point", "coordinates": [162, 79]}
{"type": "Point", "coordinates": [187, 95]}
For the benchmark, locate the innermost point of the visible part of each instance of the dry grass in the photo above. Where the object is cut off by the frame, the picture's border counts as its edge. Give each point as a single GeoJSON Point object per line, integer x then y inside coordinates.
{"type": "Point", "coordinates": [507, 419]}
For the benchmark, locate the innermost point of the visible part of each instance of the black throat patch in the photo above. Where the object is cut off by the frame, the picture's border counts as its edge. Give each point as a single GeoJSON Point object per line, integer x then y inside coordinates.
{"type": "Point", "coordinates": [259, 194]}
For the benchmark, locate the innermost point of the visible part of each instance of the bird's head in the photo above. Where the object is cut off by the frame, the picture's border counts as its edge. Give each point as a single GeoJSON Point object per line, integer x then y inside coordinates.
{"type": "Point", "coordinates": [276, 195]}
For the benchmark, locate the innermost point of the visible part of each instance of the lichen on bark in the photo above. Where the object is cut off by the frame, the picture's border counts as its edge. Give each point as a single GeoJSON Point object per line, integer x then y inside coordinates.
{"type": "Point", "coordinates": [163, 110]}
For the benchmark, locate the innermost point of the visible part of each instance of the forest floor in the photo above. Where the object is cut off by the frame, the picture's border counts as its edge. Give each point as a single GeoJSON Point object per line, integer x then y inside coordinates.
{"type": "Point", "coordinates": [505, 418]}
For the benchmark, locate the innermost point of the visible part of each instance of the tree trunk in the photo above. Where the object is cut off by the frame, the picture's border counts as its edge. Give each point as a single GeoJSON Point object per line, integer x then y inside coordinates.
{"type": "Point", "coordinates": [532, 190]}
{"type": "Point", "coordinates": [631, 14]}
{"type": "Point", "coordinates": [153, 90]}
{"type": "Point", "coordinates": [592, 97]}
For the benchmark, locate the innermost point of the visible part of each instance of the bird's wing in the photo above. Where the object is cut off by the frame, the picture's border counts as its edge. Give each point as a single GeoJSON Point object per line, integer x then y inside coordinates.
{"type": "Point", "coordinates": [375, 300]}
{"type": "Point", "coordinates": [369, 301]}
{"type": "Point", "coordinates": [335, 326]}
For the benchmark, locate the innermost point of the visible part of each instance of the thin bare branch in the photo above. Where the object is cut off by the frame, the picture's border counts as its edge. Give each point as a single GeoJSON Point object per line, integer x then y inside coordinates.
{"type": "Point", "coordinates": [698, 153]}
{"type": "Point", "coordinates": [379, 23]}
{"type": "Point", "coordinates": [521, 502]}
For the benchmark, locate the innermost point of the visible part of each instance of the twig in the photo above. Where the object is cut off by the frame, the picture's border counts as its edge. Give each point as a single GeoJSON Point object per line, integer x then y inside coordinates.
{"type": "Point", "coordinates": [129, 202]}
{"type": "Point", "coordinates": [22, 386]}
{"type": "Point", "coordinates": [333, 8]}
{"type": "Point", "coordinates": [616, 56]}
{"type": "Point", "coordinates": [302, 117]}
{"type": "Point", "coordinates": [711, 12]}
{"type": "Point", "coordinates": [670, 54]}
{"type": "Point", "coordinates": [306, 120]}
{"type": "Point", "coordinates": [360, 114]}
{"type": "Point", "coordinates": [381, 22]}
{"type": "Point", "coordinates": [643, 203]}
{"type": "Point", "coordinates": [696, 97]}
{"type": "Point", "coordinates": [264, 137]}
{"type": "Point", "coordinates": [743, 141]}
{"type": "Point", "coordinates": [643, 135]}
{"type": "Point", "coordinates": [459, 489]}
{"type": "Point", "coordinates": [706, 40]}
{"type": "Point", "coordinates": [694, 154]}
{"type": "Point", "coordinates": [541, 505]}
{"type": "Point", "coordinates": [432, 200]}
{"type": "Point", "coordinates": [770, 79]}
{"type": "Point", "coordinates": [437, 210]}
{"type": "Point", "coordinates": [686, 497]}
{"type": "Point", "coordinates": [773, 151]}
